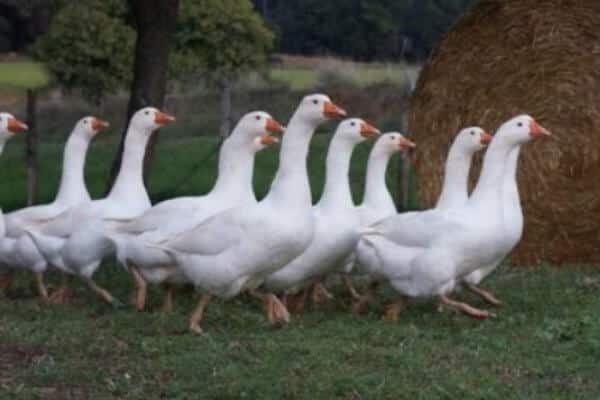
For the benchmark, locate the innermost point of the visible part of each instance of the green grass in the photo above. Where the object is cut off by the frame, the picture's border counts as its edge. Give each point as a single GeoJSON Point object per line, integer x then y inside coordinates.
{"type": "Point", "coordinates": [21, 75]}
{"type": "Point", "coordinates": [360, 75]}
{"type": "Point", "coordinates": [544, 344]}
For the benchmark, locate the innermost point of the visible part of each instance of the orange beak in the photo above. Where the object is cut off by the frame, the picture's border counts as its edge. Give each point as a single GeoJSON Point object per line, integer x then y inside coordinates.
{"type": "Point", "coordinates": [99, 124]}
{"type": "Point", "coordinates": [536, 130]}
{"type": "Point", "coordinates": [406, 144]}
{"type": "Point", "coordinates": [330, 110]}
{"type": "Point", "coordinates": [162, 118]}
{"type": "Point", "coordinates": [268, 140]}
{"type": "Point", "coordinates": [16, 126]}
{"type": "Point", "coordinates": [274, 126]}
{"type": "Point", "coordinates": [486, 138]}
{"type": "Point", "coordinates": [368, 130]}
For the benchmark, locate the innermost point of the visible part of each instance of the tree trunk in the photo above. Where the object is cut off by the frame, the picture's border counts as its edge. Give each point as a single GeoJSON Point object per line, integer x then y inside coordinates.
{"type": "Point", "coordinates": [155, 22]}
{"type": "Point", "coordinates": [32, 148]}
{"type": "Point", "coordinates": [225, 86]}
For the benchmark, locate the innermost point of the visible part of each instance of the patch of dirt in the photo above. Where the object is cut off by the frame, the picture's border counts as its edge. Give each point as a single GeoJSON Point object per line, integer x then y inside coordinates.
{"type": "Point", "coordinates": [14, 357]}
{"type": "Point", "coordinates": [62, 392]}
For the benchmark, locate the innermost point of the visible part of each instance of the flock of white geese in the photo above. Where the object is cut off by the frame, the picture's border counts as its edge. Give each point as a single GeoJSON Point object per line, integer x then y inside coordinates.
{"type": "Point", "coordinates": [282, 248]}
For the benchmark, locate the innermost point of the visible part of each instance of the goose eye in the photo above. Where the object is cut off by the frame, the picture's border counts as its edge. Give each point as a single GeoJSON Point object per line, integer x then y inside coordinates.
{"type": "Point", "coordinates": [315, 101]}
{"type": "Point", "coordinates": [85, 121]}
{"type": "Point", "coordinates": [147, 113]}
{"type": "Point", "coordinates": [353, 123]}
{"type": "Point", "coordinates": [472, 133]}
{"type": "Point", "coordinates": [520, 124]}
{"type": "Point", "coordinates": [258, 117]}
{"type": "Point", "coordinates": [392, 137]}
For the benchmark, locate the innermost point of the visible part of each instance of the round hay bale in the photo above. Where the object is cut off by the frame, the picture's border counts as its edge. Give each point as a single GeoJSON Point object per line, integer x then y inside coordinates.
{"type": "Point", "coordinates": [507, 57]}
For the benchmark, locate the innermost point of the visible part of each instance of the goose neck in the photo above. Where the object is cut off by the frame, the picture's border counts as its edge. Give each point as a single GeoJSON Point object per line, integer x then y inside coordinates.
{"type": "Point", "coordinates": [236, 167]}
{"type": "Point", "coordinates": [376, 191]}
{"type": "Point", "coordinates": [337, 166]}
{"type": "Point", "coordinates": [72, 187]}
{"type": "Point", "coordinates": [456, 175]}
{"type": "Point", "coordinates": [290, 185]}
{"type": "Point", "coordinates": [488, 190]}
{"type": "Point", "coordinates": [130, 179]}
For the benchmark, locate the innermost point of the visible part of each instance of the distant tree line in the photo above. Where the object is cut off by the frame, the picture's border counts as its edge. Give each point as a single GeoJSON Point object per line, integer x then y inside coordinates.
{"type": "Point", "coordinates": [361, 29]}
{"type": "Point", "coordinates": [22, 21]}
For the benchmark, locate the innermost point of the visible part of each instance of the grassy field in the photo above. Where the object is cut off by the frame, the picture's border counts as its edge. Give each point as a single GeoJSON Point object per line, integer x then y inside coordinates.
{"type": "Point", "coordinates": [544, 344]}
{"type": "Point", "coordinates": [20, 75]}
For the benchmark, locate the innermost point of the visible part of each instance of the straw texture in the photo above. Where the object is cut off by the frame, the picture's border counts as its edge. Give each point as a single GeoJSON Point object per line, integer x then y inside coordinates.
{"type": "Point", "coordinates": [507, 57]}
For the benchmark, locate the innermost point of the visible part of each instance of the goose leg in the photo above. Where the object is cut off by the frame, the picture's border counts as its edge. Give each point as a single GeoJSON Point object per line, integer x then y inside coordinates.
{"type": "Point", "coordinates": [320, 294]}
{"type": "Point", "coordinates": [350, 287]}
{"type": "Point", "coordinates": [487, 296]}
{"type": "Point", "coordinates": [6, 280]}
{"type": "Point", "coordinates": [393, 310]}
{"type": "Point", "coordinates": [141, 288]}
{"type": "Point", "coordinates": [359, 302]}
{"type": "Point", "coordinates": [276, 311]}
{"type": "Point", "coordinates": [40, 286]}
{"type": "Point", "coordinates": [198, 313]}
{"type": "Point", "coordinates": [60, 295]}
{"type": "Point", "coordinates": [103, 293]}
{"type": "Point", "coordinates": [466, 309]}
{"type": "Point", "coordinates": [296, 302]}
{"type": "Point", "coordinates": [167, 305]}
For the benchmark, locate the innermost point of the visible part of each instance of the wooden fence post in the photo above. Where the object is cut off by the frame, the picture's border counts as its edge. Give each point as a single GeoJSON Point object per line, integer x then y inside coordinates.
{"type": "Point", "coordinates": [32, 148]}
{"type": "Point", "coordinates": [225, 88]}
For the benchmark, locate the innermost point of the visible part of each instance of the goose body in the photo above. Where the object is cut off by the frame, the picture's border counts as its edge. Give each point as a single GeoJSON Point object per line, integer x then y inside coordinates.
{"type": "Point", "coordinates": [513, 219]}
{"type": "Point", "coordinates": [76, 241]}
{"type": "Point", "coordinates": [237, 248]}
{"type": "Point", "coordinates": [335, 220]}
{"type": "Point", "coordinates": [425, 254]}
{"type": "Point", "coordinates": [17, 249]}
{"type": "Point", "coordinates": [377, 200]}
{"type": "Point", "coordinates": [454, 191]}
{"type": "Point", "coordinates": [137, 241]}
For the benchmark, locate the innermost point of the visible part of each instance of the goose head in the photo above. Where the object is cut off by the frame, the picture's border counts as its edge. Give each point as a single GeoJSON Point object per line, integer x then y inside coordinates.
{"type": "Point", "coordinates": [149, 119]}
{"type": "Point", "coordinates": [88, 127]}
{"type": "Point", "coordinates": [318, 108]}
{"type": "Point", "coordinates": [520, 130]}
{"type": "Point", "coordinates": [392, 142]}
{"type": "Point", "coordinates": [257, 123]}
{"type": "Point", "coordinates": [472, 139]}
{"type": "Point", "coordinates": [355, 130]}
{"type": "Point", "coordinates": [9, 125]}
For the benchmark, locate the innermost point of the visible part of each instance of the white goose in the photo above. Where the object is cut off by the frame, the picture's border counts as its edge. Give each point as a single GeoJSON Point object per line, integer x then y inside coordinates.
{"type": "Point", "coordinates": [424, 256]}
{"type": "Point", "coordinates": [513, 227]}
{"type": "Point", "coordinates": [377, 200]}
{"type": "Point", "coordinates": [75, 241]}
{"type": "Point", "coordinates": [136, 241]}
{"type": "Point", "coordinates": [335, 219]}
{"type": "Point", "coordinates": [236, 249]}
{"type": "Point", "coordinates": [9, 125]}
{"type": "Point", "coordinates": [16, 249]}
{"type": "Point", "coordinates": [454, 188]}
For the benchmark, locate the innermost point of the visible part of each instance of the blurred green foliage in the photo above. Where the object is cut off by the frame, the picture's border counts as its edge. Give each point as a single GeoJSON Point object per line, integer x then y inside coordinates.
{"type": "Point", "coordinates": [90, 43]}
{"type": "Point", "coordinates": [89, 47]}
